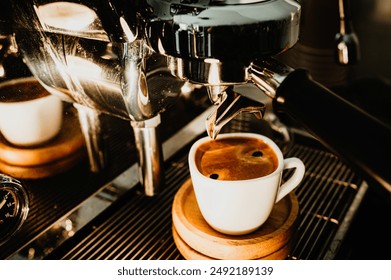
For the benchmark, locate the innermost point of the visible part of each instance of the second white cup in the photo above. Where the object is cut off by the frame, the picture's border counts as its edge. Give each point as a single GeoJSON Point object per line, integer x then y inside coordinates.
{"type": "Point", "coordinates": [29, 115]}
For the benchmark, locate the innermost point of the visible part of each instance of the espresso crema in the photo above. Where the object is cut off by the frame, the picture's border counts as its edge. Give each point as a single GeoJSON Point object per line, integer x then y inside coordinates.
{"type": "Point", "coordinates": [236, 158]}
{"type": "Point", "coordinates": [20, 92]}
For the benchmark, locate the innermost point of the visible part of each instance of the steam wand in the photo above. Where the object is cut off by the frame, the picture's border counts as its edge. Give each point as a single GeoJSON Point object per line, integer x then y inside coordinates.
{"type": "Point", "coordinates": [346, 41]}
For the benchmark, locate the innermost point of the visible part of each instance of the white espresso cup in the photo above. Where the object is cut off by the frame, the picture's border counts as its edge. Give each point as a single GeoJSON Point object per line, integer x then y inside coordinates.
{"type": "Point", "coordinates": [240, 206]}
{"type": "Point", "coordinates": [29, 115]}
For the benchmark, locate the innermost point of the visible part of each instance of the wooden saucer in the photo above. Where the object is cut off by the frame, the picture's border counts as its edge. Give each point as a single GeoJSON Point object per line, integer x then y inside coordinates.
{"type": "Point", "coordinates": [69, 141]}
{"type": "Point", "coordinates": [272, 236]}
{"type": "Point", "coordinates": [191, 254]}
{"type": "Point", "coordinates": [43, 170]}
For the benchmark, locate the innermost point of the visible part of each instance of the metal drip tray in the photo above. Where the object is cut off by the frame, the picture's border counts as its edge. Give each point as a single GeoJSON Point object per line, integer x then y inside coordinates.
{"type": "Point", "coordinates": [138, 227]}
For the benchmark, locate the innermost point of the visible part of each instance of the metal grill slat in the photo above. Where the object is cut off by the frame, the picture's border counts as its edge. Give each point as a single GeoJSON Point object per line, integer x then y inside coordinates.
{"type": "Point", "coordinates": [311, 196]}
{"type": "Point", "coordinates": [323, 219]}
{"type": "Point", "coordinates": [314, 191]}
{"type": "Point", "coordinates": [332, 207]}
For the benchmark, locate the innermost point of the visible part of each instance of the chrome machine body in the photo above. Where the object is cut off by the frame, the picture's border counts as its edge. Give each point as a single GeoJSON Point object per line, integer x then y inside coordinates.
{"type": "Point", "coordinates": [108, 56]}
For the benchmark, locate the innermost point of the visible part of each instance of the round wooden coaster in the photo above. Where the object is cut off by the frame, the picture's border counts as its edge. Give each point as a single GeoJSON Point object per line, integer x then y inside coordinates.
{"type": "Point", "coordinates": [196, 233]}
{"type": "Point", "coordinates": [45, 170]}
{"type": "Point", "coordinates": [190, 254]}
{"type": "Point", "coordinates": [69, 141]}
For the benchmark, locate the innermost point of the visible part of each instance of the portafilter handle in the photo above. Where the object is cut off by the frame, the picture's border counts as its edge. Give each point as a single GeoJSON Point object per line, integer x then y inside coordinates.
{"type": "Point", "coordinates": [359, 138]}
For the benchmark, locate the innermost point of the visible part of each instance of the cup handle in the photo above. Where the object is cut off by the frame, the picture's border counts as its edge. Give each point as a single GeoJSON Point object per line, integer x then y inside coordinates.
{"type": "Point", "coordinates": [294, 180]}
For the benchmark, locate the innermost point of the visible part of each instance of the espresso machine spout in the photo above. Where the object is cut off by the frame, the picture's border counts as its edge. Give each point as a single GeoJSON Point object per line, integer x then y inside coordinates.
{"type": "Point", "coordinates": [341, 126]}
{"type": "Point", "coordinates": [231, 105]}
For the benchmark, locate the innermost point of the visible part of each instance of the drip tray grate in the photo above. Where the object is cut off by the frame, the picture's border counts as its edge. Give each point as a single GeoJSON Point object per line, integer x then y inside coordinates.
{"type": "Point", "coordinates": [138, 227]}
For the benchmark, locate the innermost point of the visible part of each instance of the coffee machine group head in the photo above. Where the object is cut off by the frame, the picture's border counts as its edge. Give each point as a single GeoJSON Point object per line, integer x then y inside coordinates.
{"type": "Point", "coordinates": [219, 44]}
{"type": "Point", "coordinates": [225, 43]}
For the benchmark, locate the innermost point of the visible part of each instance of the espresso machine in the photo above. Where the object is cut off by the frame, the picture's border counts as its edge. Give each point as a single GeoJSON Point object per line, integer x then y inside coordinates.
{"type": "Point", "coordinates": [103, 57]}
{"type": "Point", "coordinates": [132, 59]}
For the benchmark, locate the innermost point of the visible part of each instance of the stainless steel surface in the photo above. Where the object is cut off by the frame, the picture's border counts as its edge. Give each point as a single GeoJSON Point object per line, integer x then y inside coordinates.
{"type": "Point", "coordinates": [268, 75]}
{"type": "Point", "coordinates": [231, 105]}
{"type": "Point", "coordinates": [91, 128]}
{"type": "Point", "coordinates": [150, 154]}
{"type": "Point", "coordinates": [212, 44]}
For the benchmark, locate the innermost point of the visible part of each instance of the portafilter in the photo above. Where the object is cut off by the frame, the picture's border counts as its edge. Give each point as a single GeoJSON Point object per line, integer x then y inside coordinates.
{"type": "Point", "coordinates": [220, 44]}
